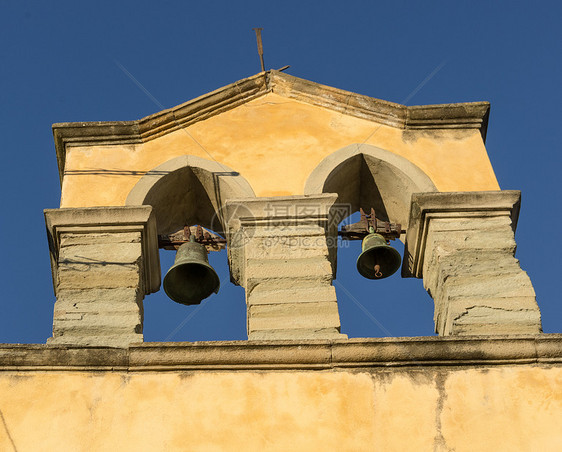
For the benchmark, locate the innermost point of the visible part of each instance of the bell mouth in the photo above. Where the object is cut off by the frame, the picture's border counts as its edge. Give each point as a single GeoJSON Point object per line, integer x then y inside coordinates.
{"type": "Point", "coordinates": [191, 283]}
{"type": "Point", "coordinates": [191, 279]}
{"type": "Point", "coordinates": [388, 259]}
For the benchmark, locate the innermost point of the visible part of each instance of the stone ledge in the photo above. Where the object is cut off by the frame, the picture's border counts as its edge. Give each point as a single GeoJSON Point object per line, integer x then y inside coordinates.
{"type": "Point", "coordinates": [541, 349]}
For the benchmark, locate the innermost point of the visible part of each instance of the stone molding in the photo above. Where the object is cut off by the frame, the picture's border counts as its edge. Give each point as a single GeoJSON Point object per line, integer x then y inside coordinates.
{"type": "Point", "coordinates": [107, 219]}
{"type": "Point", "coordinates": [467, 115]}
{"type": "Point", "coordinates": [454, 205]}
{"type": "Point", "coordinates": [377, 353]}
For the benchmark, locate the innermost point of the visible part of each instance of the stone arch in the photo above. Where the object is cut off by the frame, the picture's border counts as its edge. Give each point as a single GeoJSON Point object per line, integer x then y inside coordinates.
{"type": "Point", "coordinates": [189, 190]}
{"type": "Point", "coordinates": [367, 176]}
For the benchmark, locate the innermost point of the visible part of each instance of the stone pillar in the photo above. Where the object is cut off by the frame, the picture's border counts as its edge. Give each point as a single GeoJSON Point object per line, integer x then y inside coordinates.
{"type": "Point", "coordinates": [463, 246]}
{"type": "Point", "coordinates": [104, 260]}
{"type": "Point", "coordinates": [282, 250]}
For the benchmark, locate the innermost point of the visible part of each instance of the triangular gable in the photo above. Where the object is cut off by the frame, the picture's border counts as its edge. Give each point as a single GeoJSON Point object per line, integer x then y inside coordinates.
{"type": "Point", "coordinates": [470, 115]}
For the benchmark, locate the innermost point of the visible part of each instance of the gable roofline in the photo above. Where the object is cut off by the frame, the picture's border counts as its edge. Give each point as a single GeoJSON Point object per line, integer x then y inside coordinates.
{"type": "Point", "coordinates": [468, 115]}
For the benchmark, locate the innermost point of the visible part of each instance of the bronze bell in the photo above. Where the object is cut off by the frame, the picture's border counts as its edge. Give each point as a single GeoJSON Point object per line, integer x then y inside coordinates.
{"type": "Point", "coordinates": [191, 279]}
{"type": "Point", "coordinates": [377, 260]}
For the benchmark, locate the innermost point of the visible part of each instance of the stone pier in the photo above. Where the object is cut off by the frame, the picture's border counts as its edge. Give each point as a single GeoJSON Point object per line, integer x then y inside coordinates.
{"type": "Point", "coordinates": [104, 260]}
{"type": "Point", "coordinates": [282, 251]}
{"type": "Point", "coordinates": [463, 246]}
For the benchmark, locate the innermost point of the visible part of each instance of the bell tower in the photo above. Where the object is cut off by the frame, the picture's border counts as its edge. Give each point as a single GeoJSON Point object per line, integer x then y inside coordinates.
{"type": "Point", "coordinates": [268, 167]}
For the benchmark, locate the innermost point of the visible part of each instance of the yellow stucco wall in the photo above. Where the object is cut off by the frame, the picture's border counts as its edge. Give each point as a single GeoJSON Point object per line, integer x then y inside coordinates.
{"type": "Point", "coordinates": [421, 409]}
{"type": "Point", "coordinates": [275, 143]}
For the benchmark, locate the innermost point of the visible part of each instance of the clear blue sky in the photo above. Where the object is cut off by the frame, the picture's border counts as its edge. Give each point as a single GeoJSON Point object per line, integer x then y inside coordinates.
{"type": "Point", "coordinates": [59, 61]}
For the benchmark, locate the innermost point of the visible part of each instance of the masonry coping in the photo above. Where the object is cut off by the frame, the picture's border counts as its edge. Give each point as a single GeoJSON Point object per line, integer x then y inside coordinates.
{"type": "Point", "coordinates": [359, 353]}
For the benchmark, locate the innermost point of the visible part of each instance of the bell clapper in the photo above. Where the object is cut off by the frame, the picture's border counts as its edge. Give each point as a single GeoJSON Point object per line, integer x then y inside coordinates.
{"type": "Point", "coordinates": [378, 273]}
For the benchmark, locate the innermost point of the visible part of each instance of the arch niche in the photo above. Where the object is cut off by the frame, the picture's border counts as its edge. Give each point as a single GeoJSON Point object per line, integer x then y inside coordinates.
{"type": "Point", "coordinates": [189, 190]}
{"type": "Point", "coordinates": [367, 176]}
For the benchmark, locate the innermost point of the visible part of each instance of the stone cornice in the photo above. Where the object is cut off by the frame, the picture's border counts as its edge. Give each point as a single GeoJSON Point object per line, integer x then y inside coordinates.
{"type": "Point", "coordinates": [467, 115]}
{"type": "Point", "coordinates": [543, 349]}
{"type": "Point", "coordinates": [470, 115]}
{"type": "Point", "coordinates": [426, 206]}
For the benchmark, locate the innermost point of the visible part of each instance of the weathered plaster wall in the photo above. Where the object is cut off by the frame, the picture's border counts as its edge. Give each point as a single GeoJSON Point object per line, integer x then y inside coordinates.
{"type": "Point", "coordinates": [275, 143]}
{"type": "Point", "coordinates": [422, 409]}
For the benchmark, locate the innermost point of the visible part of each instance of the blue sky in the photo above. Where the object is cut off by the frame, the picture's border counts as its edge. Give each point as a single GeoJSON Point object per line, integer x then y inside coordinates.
{"type": "Point", "coordinates": [61, 62]}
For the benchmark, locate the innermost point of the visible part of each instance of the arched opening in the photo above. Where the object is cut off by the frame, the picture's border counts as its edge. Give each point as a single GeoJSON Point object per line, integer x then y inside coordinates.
{"type": "Point", "coordinates": [390, 307]}
{"type": "Point", "coordinates": [365, 176]}
{"type": "Point", "coordinates": [220, 317]}
{"type": "Point", "coordinates": [189, 190]}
